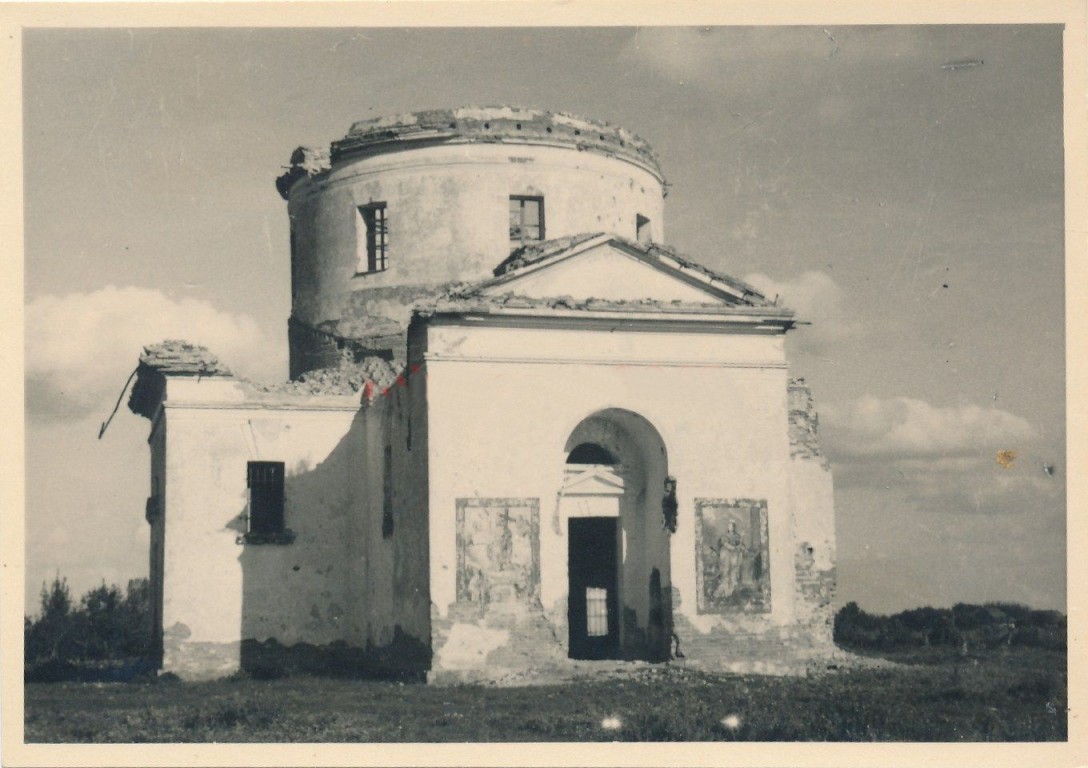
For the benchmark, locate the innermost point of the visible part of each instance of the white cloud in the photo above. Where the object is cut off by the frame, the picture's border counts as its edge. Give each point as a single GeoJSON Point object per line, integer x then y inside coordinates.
{"type": "Point", "coordinates": [925, 459]}
{"type": "Point", "coordinates": [705, 53]}
{"type": "Point", "coordinates": [817, 299]}
{"type": "Point", "coordinates": [81, 347]}
{"type": "Point", "coordinates": [904, 428]}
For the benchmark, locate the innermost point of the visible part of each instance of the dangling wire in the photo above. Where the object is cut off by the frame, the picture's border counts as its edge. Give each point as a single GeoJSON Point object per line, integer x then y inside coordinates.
{"type": "Point", "coordinates": [106, 423]}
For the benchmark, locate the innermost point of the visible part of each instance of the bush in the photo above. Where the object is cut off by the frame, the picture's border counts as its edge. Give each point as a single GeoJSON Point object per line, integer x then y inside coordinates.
{"type": "Point", "coordinates": [972, 626]}
{"type": "Point", "coordinates": [66, 642]}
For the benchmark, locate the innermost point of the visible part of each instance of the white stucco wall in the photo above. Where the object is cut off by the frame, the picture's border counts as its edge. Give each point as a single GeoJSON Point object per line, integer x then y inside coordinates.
{"type": "Point", "coordinates": [448, 213]}
{"type": "Point", "coordinates": [217, 591]}
{"type": "Point", "coordinates": [503, 403]}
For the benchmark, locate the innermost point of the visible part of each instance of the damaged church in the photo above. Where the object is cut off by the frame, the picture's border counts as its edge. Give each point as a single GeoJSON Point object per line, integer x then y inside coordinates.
{"type": "Point", "coordinates": [520, 434]}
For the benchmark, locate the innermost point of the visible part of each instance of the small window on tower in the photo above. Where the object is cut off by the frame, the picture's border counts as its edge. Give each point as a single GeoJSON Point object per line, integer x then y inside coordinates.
{"type": "Point", "coordinates": [643, 233]}
{"type": "Point", "coordinates": [526, 219]}
{"type": "Point", "coordinates": [374, 237]}
{"type": "Point", "coordinates": [266, 502]}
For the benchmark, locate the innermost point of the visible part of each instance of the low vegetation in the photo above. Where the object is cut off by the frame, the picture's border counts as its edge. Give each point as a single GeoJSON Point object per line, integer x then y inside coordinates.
{"type": "Point", "coordinates": [970, 673]}
{"type": "Point", "coordinates": [962, 626]}
{"type": "Point", "coordinates": [1014, 694]}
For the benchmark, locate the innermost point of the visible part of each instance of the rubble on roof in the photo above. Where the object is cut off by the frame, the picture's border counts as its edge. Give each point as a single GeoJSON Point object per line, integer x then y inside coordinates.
{"type": "Point", "coordinates": [497, 124]}
{"type": "Point", "coordinates": [182, 358]}
{"type": "Point", "coordinates": [538, 251]}
{"type": "Point", "coordinates": [173, 357]}
{"type": "Point", "coordinates": [347, 378]}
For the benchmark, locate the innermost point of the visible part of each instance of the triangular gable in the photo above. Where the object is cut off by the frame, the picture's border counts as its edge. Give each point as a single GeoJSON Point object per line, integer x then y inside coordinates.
{"type": "Point", "coordinates": [610, 269]}
{"type": "Point", "coordinates": [594, 480]}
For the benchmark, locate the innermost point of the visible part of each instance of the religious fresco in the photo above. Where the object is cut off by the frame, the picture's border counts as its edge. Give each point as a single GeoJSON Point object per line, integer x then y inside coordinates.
{"type": "Point", "coordinates": [498, 550]}
{"type": "Point", "coordinates": [732, 556]}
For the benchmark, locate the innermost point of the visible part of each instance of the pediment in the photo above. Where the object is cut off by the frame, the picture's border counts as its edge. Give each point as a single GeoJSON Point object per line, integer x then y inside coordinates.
{"type": "Point", "coordinates": [592, 480]}
{"type": "Point", "coordinates": [611, 270]}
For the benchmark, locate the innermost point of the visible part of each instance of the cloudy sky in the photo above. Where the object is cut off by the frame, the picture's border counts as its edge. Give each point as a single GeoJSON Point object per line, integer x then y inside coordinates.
{"type": "Point", "coordinates": [913, 211]}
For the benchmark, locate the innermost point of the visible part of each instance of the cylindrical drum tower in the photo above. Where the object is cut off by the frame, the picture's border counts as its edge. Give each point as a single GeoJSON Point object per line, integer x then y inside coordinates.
{"type": "Point", "coordinates": [402, 208]}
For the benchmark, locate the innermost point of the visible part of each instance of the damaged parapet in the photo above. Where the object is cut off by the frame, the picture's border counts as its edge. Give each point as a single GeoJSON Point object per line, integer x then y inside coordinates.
{"type": "Point", "coordinates": [496, 124]}
{"type": "Point", "coordinates": [804, 423]}
{"type": "Point", "coordinates": [174, 358]}
{"type": "Point", "coordinates": [305, 161]}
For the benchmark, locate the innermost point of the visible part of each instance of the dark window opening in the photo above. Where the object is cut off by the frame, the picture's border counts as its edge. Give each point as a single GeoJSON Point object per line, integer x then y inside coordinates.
{"type": "Point", "coordinates": [591, 453]}
{"type": "Point", "coordinates": [294, 264]}
{"type": "Point", "coordinates": [643, 233]}
{"type": "Point", "coordinates": [265, 482]}
{"type": "Point", "coordinates": [526, 219]}
{"type": "Point", "coordinates": [387, 493]}
{"type": "Point", "coordinates": [376, 221]}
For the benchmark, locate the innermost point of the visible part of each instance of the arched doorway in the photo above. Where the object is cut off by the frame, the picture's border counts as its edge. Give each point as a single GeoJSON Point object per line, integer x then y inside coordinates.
{"type": "Point", "coordinates": [612, 506]}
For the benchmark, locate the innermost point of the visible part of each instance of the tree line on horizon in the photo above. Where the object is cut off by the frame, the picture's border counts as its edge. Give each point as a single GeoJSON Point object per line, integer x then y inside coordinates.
{"type": "Point", "coordinates": [965, 626]}
{"type": "Point", "coordinates": [107, 633]}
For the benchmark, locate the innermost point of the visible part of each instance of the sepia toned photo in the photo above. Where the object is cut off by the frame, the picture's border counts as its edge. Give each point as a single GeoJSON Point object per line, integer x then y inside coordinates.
{"type": "Point", "coordinates": [648, 382]}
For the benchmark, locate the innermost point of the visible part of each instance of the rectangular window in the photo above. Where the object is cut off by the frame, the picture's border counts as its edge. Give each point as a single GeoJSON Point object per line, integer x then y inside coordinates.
{"type": "Point", "coordinates": [375, 222]}
{"type": "Point", "coordinates": [294, 264]}
{"type": "Point", "coordinates": [526, 219]}
{"type": "Point", "coordinates": [387, 492]}
{"type": "Point", "coordinates": [643, 233]}
{"type": "Point", "coordinates": [265, 482]}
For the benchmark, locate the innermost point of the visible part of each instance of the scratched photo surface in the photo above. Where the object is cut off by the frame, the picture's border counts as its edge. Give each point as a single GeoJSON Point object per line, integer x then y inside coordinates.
{"type": "Point", "coordinates": [550, 356]}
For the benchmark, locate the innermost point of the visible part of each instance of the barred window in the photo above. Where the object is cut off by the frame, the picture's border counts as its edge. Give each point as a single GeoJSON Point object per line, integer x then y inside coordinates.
{"type": "Point", "coordinates": [375, 221]}
{"type": "Point", "coordinates": [265, 482]}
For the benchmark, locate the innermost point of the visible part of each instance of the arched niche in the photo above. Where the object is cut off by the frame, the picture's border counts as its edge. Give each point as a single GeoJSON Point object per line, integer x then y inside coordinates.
{"type": "Point", "coordinates": [611, 509]}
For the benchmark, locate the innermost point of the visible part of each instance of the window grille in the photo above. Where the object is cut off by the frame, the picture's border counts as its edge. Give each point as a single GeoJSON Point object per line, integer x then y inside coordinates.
{"type": "Point", "coordinates": [526, 219]}
{"type": "Point", "coordinates": [265, 481]}
{"type": "Point", "coordinates": [376, 220]}
{"type": "Point", "coordinates": [596, 611]}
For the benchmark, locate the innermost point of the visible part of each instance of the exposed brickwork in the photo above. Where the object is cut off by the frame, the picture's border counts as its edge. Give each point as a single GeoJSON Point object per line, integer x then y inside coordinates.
{"type": "Point", "coordinates": [373, 323]}
{"type": "Point", "coordinates": [815, 592]}
{"type": "Point", "coordinates": [305, 161]}
{"type": "Point", "coordinates": [310, 349]}
{"type": "Point", "coordinates": [201, 661]}
{"type": "Point", "coordinates": [750, 648]}
{"type": "Point", "coordinates": [173, 357]}
{"type": "Point", "coordinates": [804, 423]}
{"type": "Point", "coordinates": [529, 642]}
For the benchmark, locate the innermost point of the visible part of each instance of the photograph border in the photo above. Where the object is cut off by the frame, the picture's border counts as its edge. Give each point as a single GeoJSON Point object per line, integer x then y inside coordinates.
{"type": "Point", "coordinates": [15, 17]}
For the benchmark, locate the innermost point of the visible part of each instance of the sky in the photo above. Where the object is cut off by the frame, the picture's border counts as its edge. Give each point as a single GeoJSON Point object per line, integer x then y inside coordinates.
{"type": "Point", "coordinates": [911, 210]}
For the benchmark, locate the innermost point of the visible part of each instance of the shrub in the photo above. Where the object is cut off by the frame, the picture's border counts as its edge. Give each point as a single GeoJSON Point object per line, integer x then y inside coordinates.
{"type": "Point", "coordinates": [68, 642]}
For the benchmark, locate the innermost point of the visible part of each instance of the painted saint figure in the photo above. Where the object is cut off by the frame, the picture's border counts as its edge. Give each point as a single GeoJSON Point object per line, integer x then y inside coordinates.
{"type": "Point", "coordinates": [732, 552]}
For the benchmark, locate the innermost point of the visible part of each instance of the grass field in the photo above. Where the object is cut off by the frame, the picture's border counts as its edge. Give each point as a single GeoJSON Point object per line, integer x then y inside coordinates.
{"type": "Point", "coordinates": [1009, 695]}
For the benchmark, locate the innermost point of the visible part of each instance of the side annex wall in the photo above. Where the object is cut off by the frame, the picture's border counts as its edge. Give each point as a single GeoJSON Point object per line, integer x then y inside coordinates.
{"type": "Point", "coordinates": [334, 593]}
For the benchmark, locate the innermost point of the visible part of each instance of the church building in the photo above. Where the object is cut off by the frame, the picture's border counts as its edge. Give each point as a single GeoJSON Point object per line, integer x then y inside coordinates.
{"type": "Point", "coordinates": [521, 434]}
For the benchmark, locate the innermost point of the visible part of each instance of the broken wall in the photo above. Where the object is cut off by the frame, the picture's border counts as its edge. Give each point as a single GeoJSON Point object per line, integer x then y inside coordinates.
{"type": "Point", "coordinates": [814, 517]}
